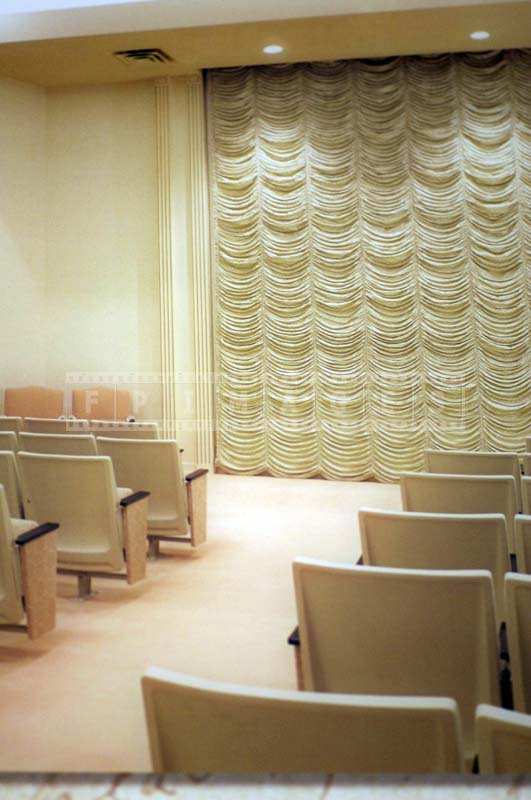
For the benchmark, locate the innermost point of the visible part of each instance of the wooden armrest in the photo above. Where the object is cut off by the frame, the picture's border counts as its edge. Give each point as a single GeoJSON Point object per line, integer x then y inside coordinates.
{"type": "Point", "coordinates": [197, 474]}
{"type": "Point", "coordinates": [135, 516]}
{"type": "Point", "coordinates": [36, 533]}
{"type": "Point", "coordinates": [38, 573]}
{"type": "Point", "coordinates": [134, 498]}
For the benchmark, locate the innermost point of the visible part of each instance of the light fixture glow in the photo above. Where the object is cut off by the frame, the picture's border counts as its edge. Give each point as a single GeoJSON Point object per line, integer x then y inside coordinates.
{"type": "Point", "coordinates": [273, 49]}
{"type": "Point", "coordinates": [480, 35]}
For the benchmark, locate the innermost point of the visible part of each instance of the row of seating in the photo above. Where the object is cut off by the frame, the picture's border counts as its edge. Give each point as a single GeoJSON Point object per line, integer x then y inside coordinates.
{"type": "Point", "coordinates": [72, 426]}
{"type": "Point", "coordinates": [199, 726]}
{"type": "Point", "coordinates": [98, 402]}
{"type": "Point", "coordinates": [104, 529]}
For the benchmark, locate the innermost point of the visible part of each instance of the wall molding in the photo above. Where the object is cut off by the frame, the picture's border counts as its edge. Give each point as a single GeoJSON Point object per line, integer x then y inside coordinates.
{"type": "Point", "coordinates": [199, 254]}
{"type": "Point", "coordinates": [169, 366]}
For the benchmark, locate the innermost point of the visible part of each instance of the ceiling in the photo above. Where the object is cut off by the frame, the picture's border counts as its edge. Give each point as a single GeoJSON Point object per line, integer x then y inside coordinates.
{"type": "Point", "coordinates": [76, 45]}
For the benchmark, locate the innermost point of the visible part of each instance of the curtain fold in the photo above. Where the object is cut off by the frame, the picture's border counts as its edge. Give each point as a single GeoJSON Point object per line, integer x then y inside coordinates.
{"type": "Point", "coordinates": [372, 258]}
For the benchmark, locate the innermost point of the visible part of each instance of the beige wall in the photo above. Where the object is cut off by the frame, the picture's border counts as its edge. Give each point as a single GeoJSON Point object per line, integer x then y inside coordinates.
{"type": "Point", "coordinates": [102, 287]}
{"type": "Point", "coordinates": [22, 233]}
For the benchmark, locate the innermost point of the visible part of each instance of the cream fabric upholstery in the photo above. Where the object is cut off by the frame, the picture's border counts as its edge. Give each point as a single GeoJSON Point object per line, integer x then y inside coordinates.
{"type": "Point", "coordinates": [102, 402]}
{"type": "Point", "coordinates": [409, 540]}
{"type": "Point", "coordinates": [58, 444]}
{"type": "Point", "coordinates": [518, 603]}
{"type": "Point", "coordinates": [461, 462]}
{"type": "Point", "coordinates": [526, 495]}
{"type": "Point", "coordinates": [14, 424]}
{"type": "Point", "coordinates": [528, 444]}
{"type": "Point", "coordinates": [199, 726]}
{"type": "Point", "coordinates": [55, 426]}
{"type": "Point", "coordinates": [10, 479]}
{"type": "Point", "coordinates": [34, 401]}
{"type": "Point", "coordinates": [11, 608]}
{"type": "Point", "coordinates": [154, 466]}
{"type": "Point", "coordinates": [8, 441]}
{"type": "Point", "coordinates": [78, 492]}
{"type": "Point", "coordinates": [461, 494]}
{"type": "Point", "coordinates": [522, 533]}
{"type": "Point", "coordinates": [371, 630]}
{"type": "Point", "coordinates": [125, 430]}
{"type": "Point", "coordinates": [504, 739]}
{"type": "Point", "coordinates": [526, 463]}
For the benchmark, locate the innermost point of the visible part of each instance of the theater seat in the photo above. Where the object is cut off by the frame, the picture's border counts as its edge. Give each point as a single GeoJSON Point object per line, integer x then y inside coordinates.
{"type": "Point", "coordinates": [461, 494]}
{"type": "Point", "coordinates": [370, 630]}
{"type": "Point", "coordinates": [518, 603]}
{"type": "Point", "coordinates": [124, 430]}
{"type": "Point", "coordinates": [200, 726]}
{"type": "Point", "coordinates": [13, 424]}
{"type": "Point", "coordinates": [526, 495]}
{"type": "Point", "coordinates": [58, 444]}
{"type": "Point", "coordinates": [409, 540]}
{"type": "Point", "coordinates": [102, 403]}
{"type": "Point", "coordinates": [55, 426]}
{"type": "Point", "coordinates": [34, 401]}
{"type": "Point", "coordinates": [28, 569]}
{"type": "Point", "coordinates": [100, 533]}
{"type": "Point", "coordinates": [522, 532]}
{"type": "Point", "coordinates": [8, 441]}
{"type": "Point", "coordinates": [177, 506]}
{"type": "Point", "coordinates": [461, 462]}
{"type": "Point", "coordinates": [504, 739]}
{"type": "Point", "coordinates": [10, 480]}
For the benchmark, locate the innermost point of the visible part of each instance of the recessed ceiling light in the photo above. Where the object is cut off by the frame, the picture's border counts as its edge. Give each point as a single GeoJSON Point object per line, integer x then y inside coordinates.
{"type": "Point", "coordinates": [480, 35]}
{"type": "Point", "coordinates": [273, 49]}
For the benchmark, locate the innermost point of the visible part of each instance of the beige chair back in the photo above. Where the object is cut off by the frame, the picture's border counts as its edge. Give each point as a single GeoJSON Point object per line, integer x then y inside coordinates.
{"type": "Point", "coordinates": [10, 480]}
{"type": "Point", "coordinates": [125, 430]}
{"type": "Point", "coordinates": [56, 426]}
{"type": "Point", "coordinates": [78, 492]}
{"type": "Point", "coordinates": [13, 424]}
{"type": "Point", "coordinates": [8, 441]}
{"type": "Point", "coordinates": [409, 540]}
{"type": "Point", "coordinates": [58, 444]}
{"type": "Point", "coordinates": [522, 533]}
{"type": "Point", "coordinates": [526, 463]}
{"type": "Point", "coordinates": [11, 609]}
{"type": "Point", "coordinates": [155, 466]}
{"type": "Point", "coordinates": [528, 444]}
{"type": "Point", "coordinates": [504, 739]}
{"type": "Point", "coordinates": [198, 726]}
{"type": "Point", "coordinates": [461, 494]}
{"type": "Point", "coordinates": [462, 462]}
{"type": "Point", "coordinates": [526, 495]}
{"type": "Point", "coordinates": [518, 603]}
{"type": "Point", "coordinates": [369, 630]}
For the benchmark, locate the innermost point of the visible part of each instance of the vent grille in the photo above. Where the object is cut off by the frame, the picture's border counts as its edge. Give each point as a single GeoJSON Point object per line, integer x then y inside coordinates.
{"type": "Point", "coordinates": [153, 54]}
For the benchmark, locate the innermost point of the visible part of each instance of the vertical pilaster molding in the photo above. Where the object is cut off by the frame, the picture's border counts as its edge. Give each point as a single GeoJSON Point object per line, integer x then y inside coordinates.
{"type": "Point", "coordinates": [166, 267]}
{"type": "Point", "coordinates": [200, 269]}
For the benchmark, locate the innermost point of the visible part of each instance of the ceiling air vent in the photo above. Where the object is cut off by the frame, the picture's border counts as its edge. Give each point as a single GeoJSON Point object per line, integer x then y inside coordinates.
{"type": "Point", "coordinates": [153, 54]}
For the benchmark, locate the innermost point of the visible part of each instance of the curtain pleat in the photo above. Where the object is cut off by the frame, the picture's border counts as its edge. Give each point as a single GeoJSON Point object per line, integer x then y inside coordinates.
{"type": "Point", "coordinates": [372, 257]}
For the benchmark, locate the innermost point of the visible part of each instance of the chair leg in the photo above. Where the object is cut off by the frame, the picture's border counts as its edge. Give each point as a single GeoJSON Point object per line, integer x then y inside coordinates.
{"type": "Point", "coordinates": [197, 506]}
{"type": "Point", "coordinates": [84, 585]}
{"type": "Point", "coordinates": [38, 571]}
{"type": "Point", "coordinates": [154, 549]}
{"type": "Point", "coordinates": [134, 519]}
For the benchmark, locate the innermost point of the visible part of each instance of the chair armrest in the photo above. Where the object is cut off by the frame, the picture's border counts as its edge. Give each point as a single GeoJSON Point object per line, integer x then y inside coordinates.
{"type": "Point", "coordinates": [134, 498]}
{"type": "Point", "coordinates": [197, 474]}
{"type": "Point", "coordinates": [36, 533]}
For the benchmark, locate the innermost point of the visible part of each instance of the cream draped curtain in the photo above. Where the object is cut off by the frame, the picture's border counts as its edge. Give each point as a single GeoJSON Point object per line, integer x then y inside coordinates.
{"type": "Point", "coordinates": [372, 255]}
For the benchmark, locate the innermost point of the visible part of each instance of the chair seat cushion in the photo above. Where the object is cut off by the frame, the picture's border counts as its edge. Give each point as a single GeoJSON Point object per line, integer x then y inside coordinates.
{"type": "Point", "coordinates": [18, 527]}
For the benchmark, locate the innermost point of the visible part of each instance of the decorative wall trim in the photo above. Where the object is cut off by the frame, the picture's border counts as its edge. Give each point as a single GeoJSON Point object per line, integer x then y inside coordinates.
{"type": "Point", "coordinates": [200, 269]}
{"type": "Point", "coordinates": [163, 128]}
